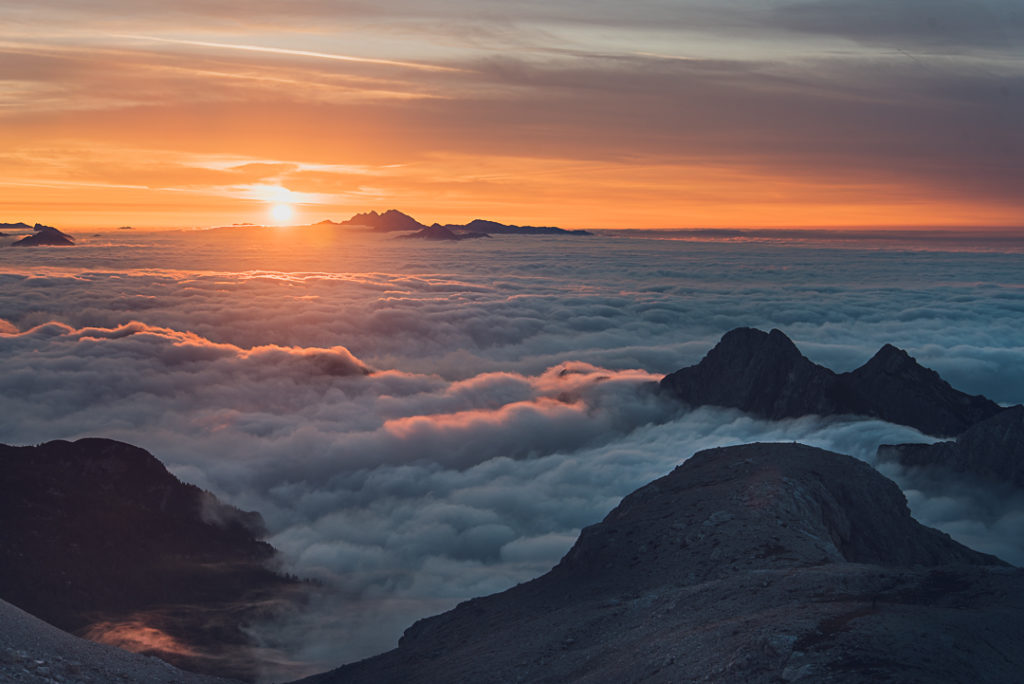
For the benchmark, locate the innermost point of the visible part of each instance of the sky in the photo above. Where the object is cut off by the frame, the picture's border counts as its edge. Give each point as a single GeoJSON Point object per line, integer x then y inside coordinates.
{"type": "Point", "coordinates": [421, 423]}
{"type": "Point", "coordinates": [589, 114]}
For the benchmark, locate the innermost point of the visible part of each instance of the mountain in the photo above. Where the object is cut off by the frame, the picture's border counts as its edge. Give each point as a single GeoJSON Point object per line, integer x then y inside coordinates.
{"type": "Point", "coordinates": [390, 220]}
{"type": "Point", "coordinates": [100, 540]}
{"type": "Point", "coordinates": [20, 225]}
{"type": "Point", "coordinates": [393, 220]}
{"type": "Point", "coordinates": [45, 235]}
{"type": "Point", "coordinates": [757, 563]}
{"type": "Point", "coordinates": [766, 375]}
{"type": "Point", "coordinates": [438, 232]}
{"type": "Point", "coordinates": [485, 226]}
{"type": "Point", "coordinates": [992, 449]}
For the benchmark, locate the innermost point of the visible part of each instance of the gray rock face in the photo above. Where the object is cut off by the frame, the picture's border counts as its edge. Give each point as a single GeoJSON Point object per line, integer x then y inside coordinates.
{"type": "Point", "coordinates": [992, 450]}
{"type": "Point", "coordinates": [759, 563]}
{"type": "Point", "coordinates": [766, 375]}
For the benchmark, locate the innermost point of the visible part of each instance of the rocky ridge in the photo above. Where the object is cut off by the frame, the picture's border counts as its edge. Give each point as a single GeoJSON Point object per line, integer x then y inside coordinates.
{"type": "Point", "coordinates": [766, 375]}
{"type": "Point", "coordinates": [992, 449]}
{"type": "Point", "coordinates": [756, 563]}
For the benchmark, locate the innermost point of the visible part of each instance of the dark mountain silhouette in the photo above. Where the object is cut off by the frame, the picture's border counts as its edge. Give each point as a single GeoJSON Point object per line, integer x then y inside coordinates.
{"type": "Point", "coordinates": [757, 563]}
{"type": "Point", "coordinates": [485, 226]}
{"type": "Point", "coordinates": [766, 375]}
{"type": "Point", "coordinates": [438, 232]}
{"type": "Point", "coordinates": [45, 235]}
{"type": "Point", "coordinates": [100, 540]}
{"type": "Point", "coordinates": [390, 220]}
{"type": "Point", "coordinates": [394, 220]}
{"type": "Point", "coordinates": [991, 450]}
{"type": "Point", "coordinates": [20, 225]}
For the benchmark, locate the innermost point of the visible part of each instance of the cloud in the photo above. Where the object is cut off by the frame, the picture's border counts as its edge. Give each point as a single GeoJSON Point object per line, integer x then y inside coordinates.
{"type": "Point", "coordinates": [419, 425]}
{"type": "Point", "coordinates": [930, 25]}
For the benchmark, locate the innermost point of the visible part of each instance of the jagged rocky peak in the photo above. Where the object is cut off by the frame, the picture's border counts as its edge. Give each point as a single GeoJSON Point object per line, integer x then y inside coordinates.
{"type": "Point", "coordinates": [759, 563]}
{"type": "Point", "coordinates": [762, 373]}
{"type": "Point", "coordinates": [390, 220]}
{"type": "Point", "coordinates": [766, 375]}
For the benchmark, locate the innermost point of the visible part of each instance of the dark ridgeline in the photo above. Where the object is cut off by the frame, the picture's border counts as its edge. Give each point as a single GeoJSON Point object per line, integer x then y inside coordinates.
{"type": "Point", "coordinates": [766, 375]}
{"type": "Point", "coordinates": [991, 450]}
{"type": "Point", "coordinates": [394, 220]}
{"type": "Point", "coordinates": [43, 236]}
{"type": "Point", "coordinates": [390, 220]}
{"type": "Point", "coordinates": [485, 226]}
{"type": "Point", "coordinates": [437, 232]}
{"type": "Point", "coordinates": [97, 533]}
{"type": "Point", "coordinates": [756, 563]}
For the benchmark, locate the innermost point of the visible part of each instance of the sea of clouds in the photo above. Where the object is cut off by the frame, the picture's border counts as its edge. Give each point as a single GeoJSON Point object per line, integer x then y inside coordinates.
{"type": "Point", "coordinates": [421, 423]}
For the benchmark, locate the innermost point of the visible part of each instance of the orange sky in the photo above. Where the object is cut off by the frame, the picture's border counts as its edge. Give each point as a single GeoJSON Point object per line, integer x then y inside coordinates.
{"type": "Point", "coordinates": [583, 115]}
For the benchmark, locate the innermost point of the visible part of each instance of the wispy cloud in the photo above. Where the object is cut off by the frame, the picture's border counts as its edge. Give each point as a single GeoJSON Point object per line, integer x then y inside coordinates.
{"type": "Point", "coordinates": [295, 53]}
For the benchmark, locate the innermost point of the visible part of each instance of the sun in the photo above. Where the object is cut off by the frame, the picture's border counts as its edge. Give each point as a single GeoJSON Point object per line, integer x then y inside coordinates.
{"type": "Point", "coordinates": [282, 213]}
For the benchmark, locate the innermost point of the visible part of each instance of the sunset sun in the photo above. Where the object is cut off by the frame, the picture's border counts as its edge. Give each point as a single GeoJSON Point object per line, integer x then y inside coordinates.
{"type": "Point", "coordinates": [282, 213]}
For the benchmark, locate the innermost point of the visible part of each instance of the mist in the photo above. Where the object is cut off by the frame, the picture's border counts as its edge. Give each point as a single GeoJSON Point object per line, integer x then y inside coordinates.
{"type": "Point", "coordinates": [421, 424]}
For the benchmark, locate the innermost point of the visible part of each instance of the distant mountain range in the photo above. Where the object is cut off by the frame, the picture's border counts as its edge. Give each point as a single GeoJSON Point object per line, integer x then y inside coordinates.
{"type": "Point", "coordinates": [394, 220]}
{"type": "Point", "coordinates": [766, 375]}
{"type": "Point", "coordinates": [757, 563]}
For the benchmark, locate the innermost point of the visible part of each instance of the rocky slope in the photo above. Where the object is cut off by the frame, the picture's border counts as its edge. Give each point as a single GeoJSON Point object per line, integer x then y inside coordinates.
{"type": "Point", "coordinates": [766, 375]}
{"type": "Point", "coordinates": [100, 540]}
{"type": "Point", "coordinates": [757, 563]}
{"type": "Point", "coordinates": [34, 652]}
{"type": "Point", "coordinates": [990, 450]}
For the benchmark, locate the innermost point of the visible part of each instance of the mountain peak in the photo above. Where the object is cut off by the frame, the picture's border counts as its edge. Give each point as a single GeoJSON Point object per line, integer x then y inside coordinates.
{"type": "Point", "coordinates": [759, 505]}
{"type": "Point", "coordinates": [390, 220]}
{"type": "Point", "coordinates": [762, 373]}
{"type": "Point", "coordinates": [756, 563]}
{"type": "Point", "coordinates": [766, 375]}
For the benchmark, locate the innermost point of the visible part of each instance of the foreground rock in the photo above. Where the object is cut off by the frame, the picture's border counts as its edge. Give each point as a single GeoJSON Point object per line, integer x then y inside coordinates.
{"type": "Point", "coordinates": [100, 540]}
{"type": "Point", "coordinates": [45, 235]}
{"type": "Point", "coordinates": [758, 563]}
{"type": "Point", "coordinates": [990, 450]}
{"type": "Point", "coordinates": [34, 652]}
{"type": "Point", "coordinates": [766, 375]}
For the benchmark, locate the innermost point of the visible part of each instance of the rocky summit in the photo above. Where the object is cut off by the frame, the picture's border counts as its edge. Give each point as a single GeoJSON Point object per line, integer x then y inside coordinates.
{"type": "Point", "coordinates": [756, 563]}
{"type": "Point", "coordinates": [766, 375]}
